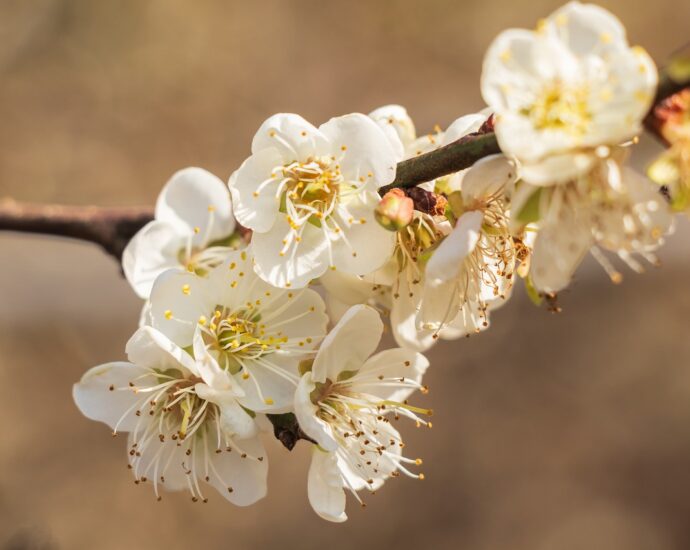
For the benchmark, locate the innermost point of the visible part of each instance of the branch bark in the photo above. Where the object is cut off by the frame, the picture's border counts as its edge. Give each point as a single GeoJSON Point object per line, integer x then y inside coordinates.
{"type": "Point", "coordinates": [109, 227]}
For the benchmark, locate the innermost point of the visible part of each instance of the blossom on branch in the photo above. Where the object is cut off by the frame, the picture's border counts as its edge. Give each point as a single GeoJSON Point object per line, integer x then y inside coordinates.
{"type": "Point", "coordinates": [564, 90]}
{"type": "Point", "coordinates": [309, 196]}
{"type": "Point", "coordinates": [248, 334]}
{"type": "Point", "coordinates": [346, 401]}
{"type": "Point", "coordinates": [181, 430]}
{"type": "Point", "coordinates": [192, 230]}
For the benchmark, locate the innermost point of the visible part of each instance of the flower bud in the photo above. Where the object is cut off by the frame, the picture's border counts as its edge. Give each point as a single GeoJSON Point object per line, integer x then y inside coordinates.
{"type": "Point", "coordinates": [395, 210]}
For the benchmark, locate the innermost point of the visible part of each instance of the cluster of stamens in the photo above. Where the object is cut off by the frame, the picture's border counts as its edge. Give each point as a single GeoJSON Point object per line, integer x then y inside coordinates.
{"type": "Point", "coordinates": [358, 422]}
{"type": "Point", "coordinates": [561, 107]}
{"type": "Point", "coordinates": [170, 412]}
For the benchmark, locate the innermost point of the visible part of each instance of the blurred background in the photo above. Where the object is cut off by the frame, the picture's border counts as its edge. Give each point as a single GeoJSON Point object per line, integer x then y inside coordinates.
{"type": "Point", "coordinates": [563, 432]}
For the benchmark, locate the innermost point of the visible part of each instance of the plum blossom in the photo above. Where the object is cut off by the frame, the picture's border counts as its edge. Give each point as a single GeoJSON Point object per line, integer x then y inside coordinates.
{"type": "Point", "coordinates": [182, 429]}
{"type": "Point", "coordinates": [475, 263]}
{"type": "Point", "coordinates": [192, 229]}
{"type": "Point", "coordinates": [345, 403]}
{"type": "Point", "coordinates": [468, 283]}
{"type": "Point", "coordinates": [309, 196]}
{"type": "Point", "coordinates": [611, 207]}
{"type": "Point", "coordinates": [250, 335]}
{"type": "Point", "coordinates": [564, 90]}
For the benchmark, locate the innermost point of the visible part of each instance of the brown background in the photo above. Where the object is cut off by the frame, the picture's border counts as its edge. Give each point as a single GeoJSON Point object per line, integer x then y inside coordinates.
{"type": "Point", "coordinates": [551, 432]}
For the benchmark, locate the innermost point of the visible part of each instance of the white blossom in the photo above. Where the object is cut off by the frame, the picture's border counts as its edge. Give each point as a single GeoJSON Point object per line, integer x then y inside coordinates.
{"type": "Point", "coordinates": [611, 206]}
{"type": "Point", "coordinates": [466, 282]}
{"type": "Point", "coordinates": [182, 430]}
{"type": "Point", "coordinates": [565, 89]}
{"type": "Point", "coordinates": [309, 196]}
{"type": "Point", "coordinates": [345, 403]}
{"type": "Point", "coordinates": [251, 335]}
{"type": "Point", "coordinates": [192, 230]}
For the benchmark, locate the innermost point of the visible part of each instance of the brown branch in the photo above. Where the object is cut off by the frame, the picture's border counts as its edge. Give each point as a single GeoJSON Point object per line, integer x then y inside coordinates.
{"type": "Point", "coordinates": [112, 227]}
{"type": "Point", "coordinates": [109, 227]}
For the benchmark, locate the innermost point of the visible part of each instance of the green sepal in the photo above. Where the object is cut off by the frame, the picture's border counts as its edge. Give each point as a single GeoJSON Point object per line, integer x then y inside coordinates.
{"type": "Point", "coordinates": [534, 295]}
{"type": "Point", "coordinates": [529, 212]}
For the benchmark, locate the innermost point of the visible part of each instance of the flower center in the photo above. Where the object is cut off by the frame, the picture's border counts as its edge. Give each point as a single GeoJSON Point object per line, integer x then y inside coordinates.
{"type": "Point", "coordinates": [311, 190]}
{"type": "Point", "coordinates": [238, 336]}
{"type": "Point", "coordinates": [562, 108]}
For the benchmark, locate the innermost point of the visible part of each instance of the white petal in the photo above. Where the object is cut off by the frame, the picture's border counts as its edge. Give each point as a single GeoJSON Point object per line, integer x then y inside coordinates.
{"type": "Point", "coordinates": [380, 468]}
{"type": "Point", "coordinates": [398, 126]}
{"type": "Point", "coordinates": [405, 304]}
{"type": "Point", "coordinates": [349, 344]}
{"type": "Point", "coordinates": [306, 414]}
{"type": "Point", "coordinates": [95, 399]}
{"type": "Point", "coordinates": [586, 29]}
{"type": "Point", "coordinates": [151, 251]}
{"type": "Point", "coordinates": [325, 486]}
{"type": "Point", "coordinates": [559, 248]}
{"type": "Point", "coordinates": [178, 300]}
{"type": "Point", "coordinates": [234, 419]}
{"type": "Point", "coordinates": [462, 126]}
{"type": "Point", "coordinates": [446, 261]}
{"type": "Point", "coordinates": [395, 363]}
{"type": "Point", "coordinates": [362, 149]}
{"type": "Point", "coordinates": [195, 198]}
{"type": "Point", "coordinates": [487, 177]}
{"type": "Point", "coordinates": [303, 262]}
{"type": "Point", "coordinates": [364, 246]}
{"type": "Point", "coordinates": [245, 476]}
{"type": "Point", "coordinates": [209, 370]}
{"type": "Point", "coordinates": [160, 459]}
{"type": "Point", "coordinates": [556, 169]}
{"type": "Point", "coordinates": [295, 138]}
{"type": "Point", "coordinates": [254, 188]}
{"type": "Point", "coordinates": [151, 349]}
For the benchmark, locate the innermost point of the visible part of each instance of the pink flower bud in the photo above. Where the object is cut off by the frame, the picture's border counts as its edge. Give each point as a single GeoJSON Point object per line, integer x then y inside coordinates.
{"type": "Point", "coordinates": [395, 210]}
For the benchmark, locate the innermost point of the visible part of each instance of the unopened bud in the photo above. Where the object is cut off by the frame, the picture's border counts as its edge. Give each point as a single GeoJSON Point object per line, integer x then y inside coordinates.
{"type": "Point", "coordinates": [395, 210]}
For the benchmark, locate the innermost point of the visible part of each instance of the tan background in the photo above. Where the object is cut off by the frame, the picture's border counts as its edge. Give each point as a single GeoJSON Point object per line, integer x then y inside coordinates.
{"type": "Point", "coordinates": [551, 432]}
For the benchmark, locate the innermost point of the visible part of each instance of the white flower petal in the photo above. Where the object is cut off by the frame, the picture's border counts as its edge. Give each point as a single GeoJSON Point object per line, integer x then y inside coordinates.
{"type": "Point", "coordinates": [291, 135]}
{"type": "Point", "coordinates": [446, 261]}
{"type": "Point", "coordinates": [245, 476]}
{"type": "Point", "coordinates": [380, 469]}
{"type": "Point", "coordinates": [405, 305]}
{"type": "Point", "coordinates": [349, 344]}
{"type": "Point", "coordinates": [151, 349]}
{"type": "Point", "coordinates": [151, 251]}
{"type": "Point", "coordinates": [462, 126]}
{"type": "Point", "coordinates": [398, 126]}
{"type": "Point", "coordinates": [178, 300]}
{"type": "Point", "coordinates": [558, 250]}
{"type": "Point", "coordinates": [325, 486]}
{"type": "Point", "coordinates": [306, 414]}
{"type": "Point", "coordinates": [364, 246]}
{"type": "Point", "coordinates": [95, 399]}
{"type": "Point", "coordinates": [233, 418]}
{"type": "Point", "coordinates": [397, 364]}
{"type": "Point", "coordinates": [586, 29]}
{"type": "Point", "coordinates": [303, 262]}
{"type": "Point", "coordinates": [254, 188]}
{"type": "Point", "coordinates": [194, 198]}
{"type": "Point", "coordinates": [487, 177]}
{"type": "Point", "coordinates": [209, 370]}
{"type": "Point", "coordinates": [151, 460]}
{"type": "Point", "coordinates": [362, 149]}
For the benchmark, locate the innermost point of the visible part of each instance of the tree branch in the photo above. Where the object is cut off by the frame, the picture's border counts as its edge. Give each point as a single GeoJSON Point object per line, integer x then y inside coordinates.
{"type": "Point", "coordinates": [109, 227]}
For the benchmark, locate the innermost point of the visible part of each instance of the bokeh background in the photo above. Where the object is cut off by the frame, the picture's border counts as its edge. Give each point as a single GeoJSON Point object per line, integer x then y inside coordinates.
{"type": "Point", "coordinates": [567, 431]}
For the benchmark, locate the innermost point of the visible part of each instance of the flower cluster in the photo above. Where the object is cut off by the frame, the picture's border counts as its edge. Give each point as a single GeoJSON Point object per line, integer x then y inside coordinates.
{"type": "Point", "coordinates": [242, 282]}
